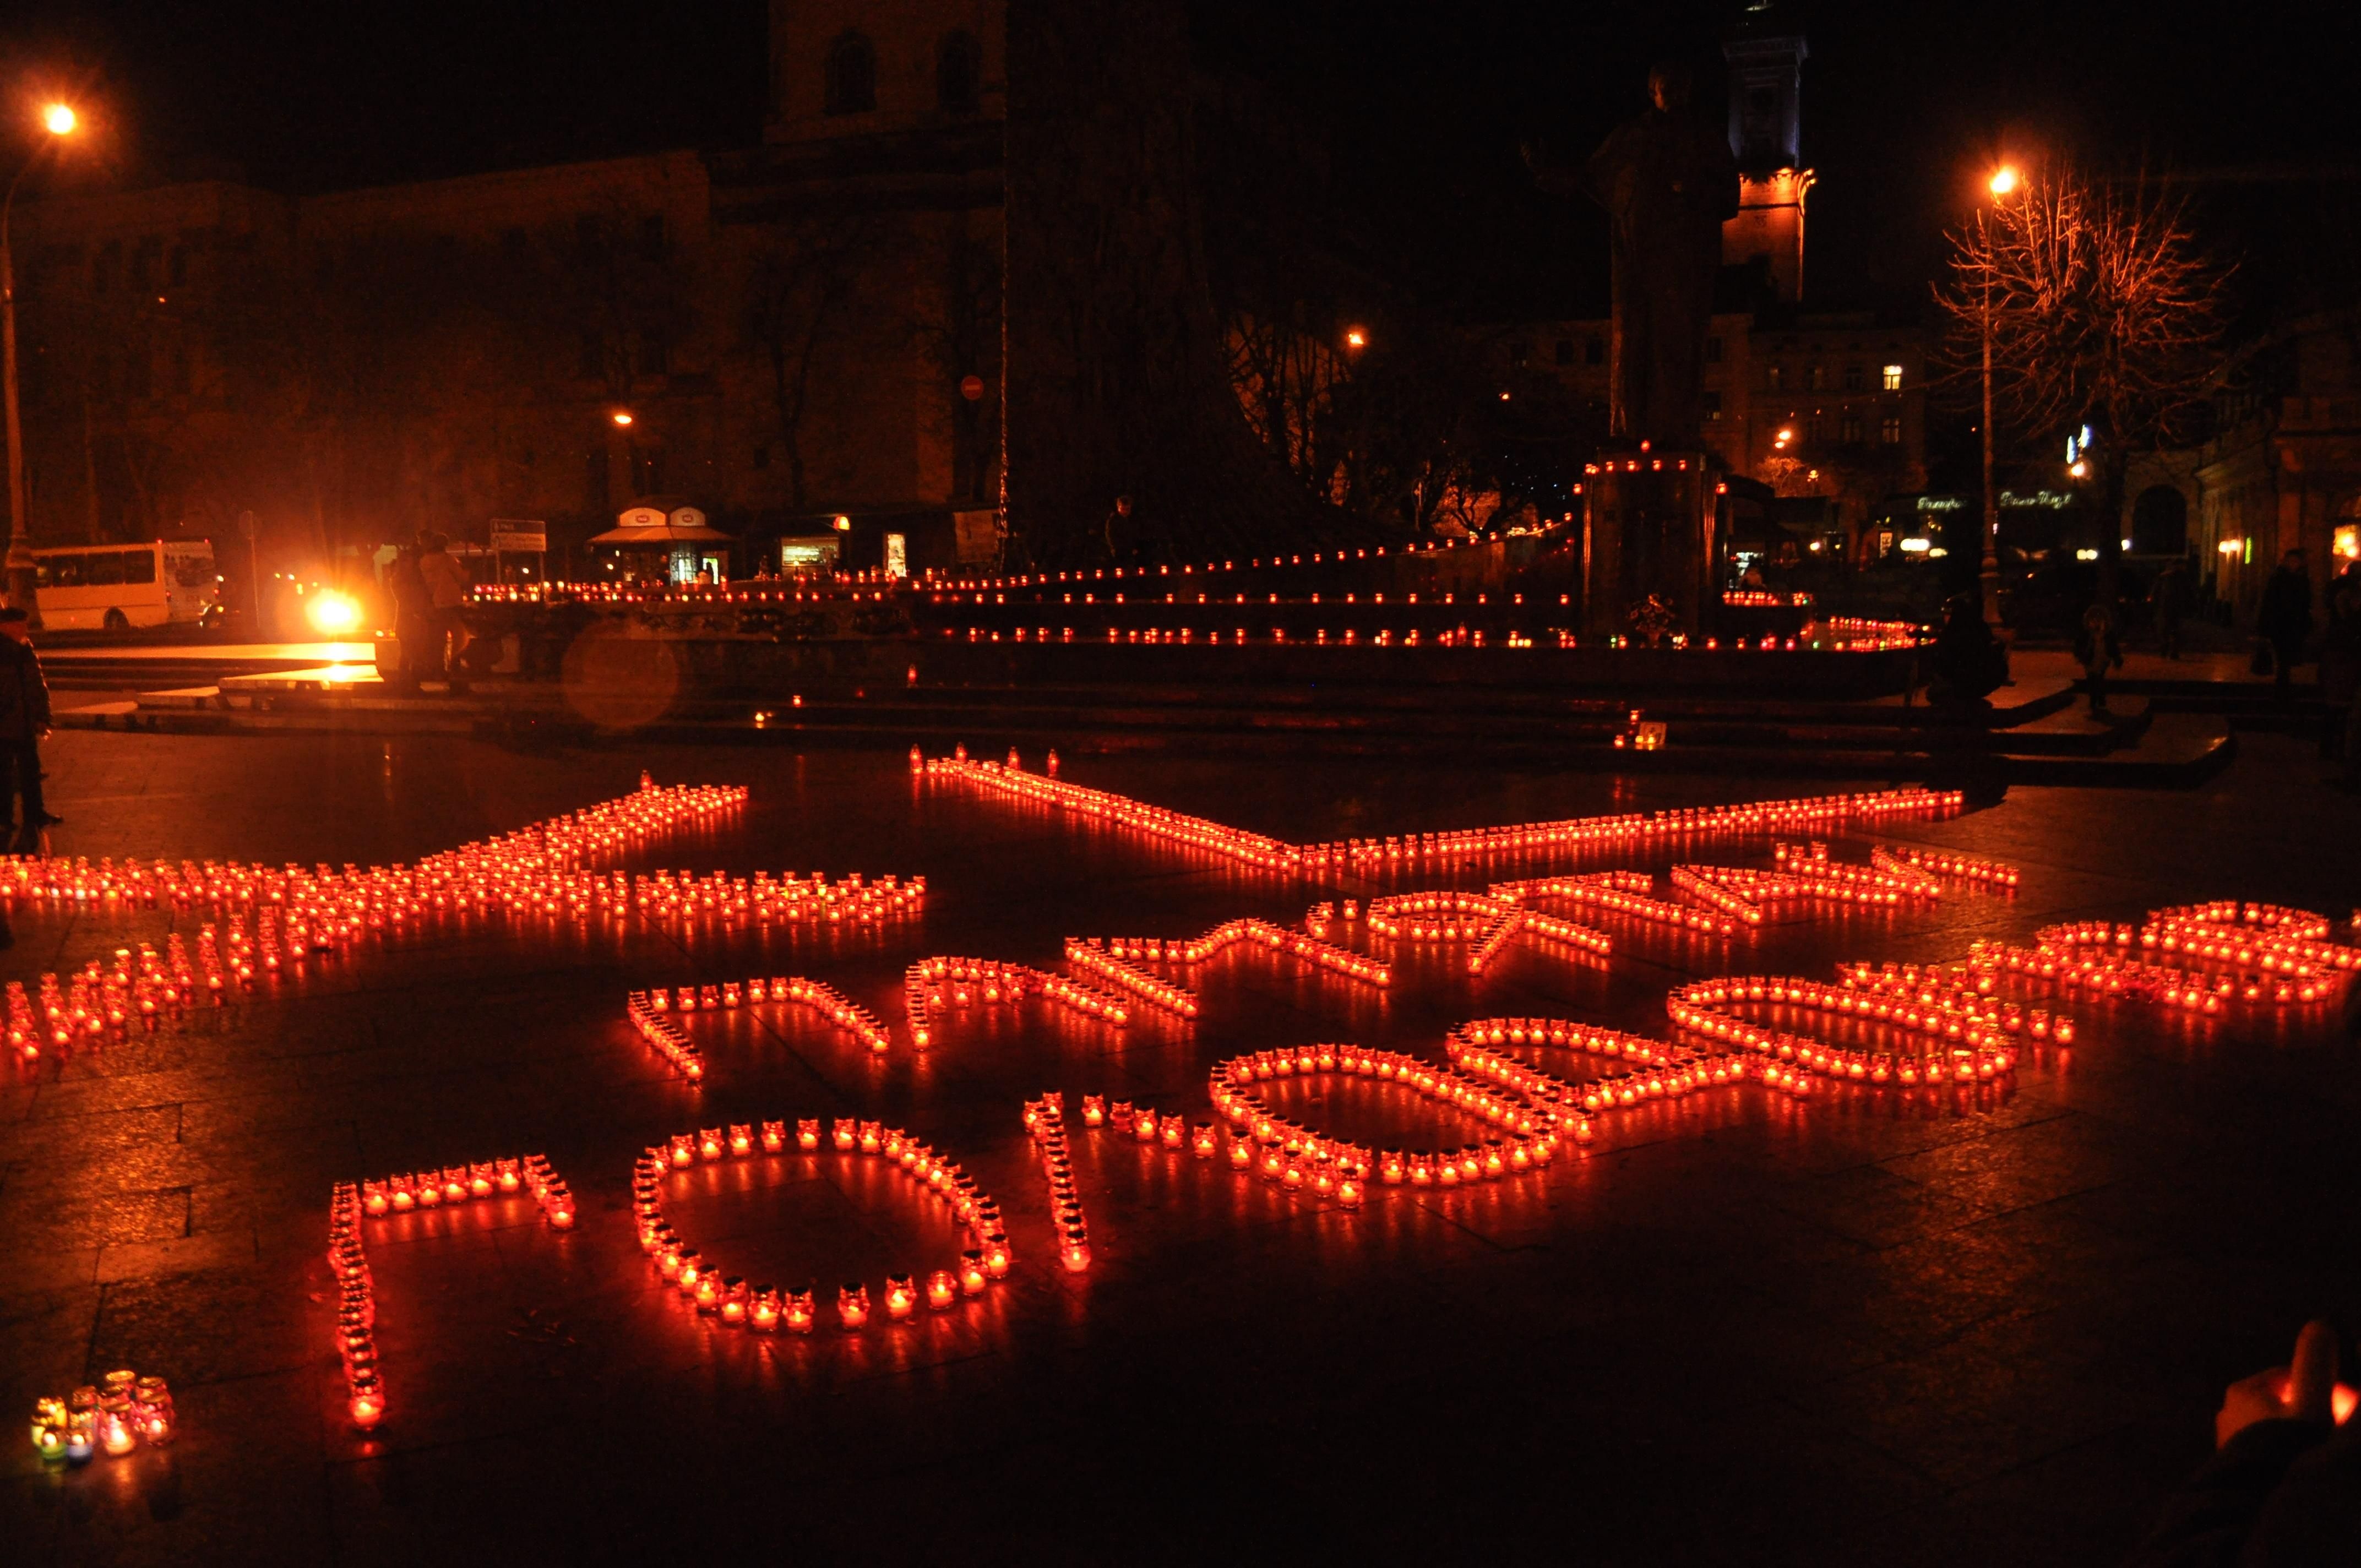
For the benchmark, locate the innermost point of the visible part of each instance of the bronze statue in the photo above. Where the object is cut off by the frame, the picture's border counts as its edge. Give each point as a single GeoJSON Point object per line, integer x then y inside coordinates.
{"type": "Point", "coordinates": [1668, 182]}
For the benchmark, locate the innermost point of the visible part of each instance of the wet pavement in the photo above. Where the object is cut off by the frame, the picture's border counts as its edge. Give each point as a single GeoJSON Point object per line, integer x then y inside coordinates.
{"type": "Point", "coordinates": [1968, 1325]}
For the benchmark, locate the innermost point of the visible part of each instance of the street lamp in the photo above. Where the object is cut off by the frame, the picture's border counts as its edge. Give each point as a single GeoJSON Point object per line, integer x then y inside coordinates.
{"type": "Point", "coordinates": [59, 120]}
{"type": "Point", "coordinates": [2002, 181]}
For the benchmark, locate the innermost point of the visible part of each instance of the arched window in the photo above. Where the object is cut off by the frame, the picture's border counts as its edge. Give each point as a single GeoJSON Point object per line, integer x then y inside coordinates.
{"type": "Point", "coordinates": [852, 83]}
{"type": "Point", "coordinates": [958, 74]}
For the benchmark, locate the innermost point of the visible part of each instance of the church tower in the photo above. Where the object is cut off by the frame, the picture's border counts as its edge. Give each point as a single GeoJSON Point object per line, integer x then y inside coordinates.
{"type": "Point", "coordinates": [1767, 70]}
{"type": "Point", "coordinates": [856, 68]}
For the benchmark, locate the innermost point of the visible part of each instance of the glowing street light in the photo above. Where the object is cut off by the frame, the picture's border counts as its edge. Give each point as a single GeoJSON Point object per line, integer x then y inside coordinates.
{"type": "Point", "coordinates": [621, 417]}
{"type": "Point", "coordinates": [59, 120]}
{"type": "Point", "coordinates": [1356, 338]}
{"type": "Point", "coordinates": [2004, 182]}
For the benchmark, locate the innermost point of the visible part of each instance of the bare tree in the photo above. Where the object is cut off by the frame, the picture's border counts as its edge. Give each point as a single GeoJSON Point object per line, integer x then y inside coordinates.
{"type": "Point", "coordinates": [2104, 310]}
{"type": "Point", "coordinates": [804, 283]}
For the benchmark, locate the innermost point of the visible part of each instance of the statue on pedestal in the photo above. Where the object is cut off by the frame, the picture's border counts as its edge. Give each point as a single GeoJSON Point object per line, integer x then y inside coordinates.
{"type": "Point", "coordinates": [1668, 182]}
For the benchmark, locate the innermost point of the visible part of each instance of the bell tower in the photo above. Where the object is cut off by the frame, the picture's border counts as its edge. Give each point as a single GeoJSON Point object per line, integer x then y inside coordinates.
{"type": "Point", "coordinates": [1766, 72]}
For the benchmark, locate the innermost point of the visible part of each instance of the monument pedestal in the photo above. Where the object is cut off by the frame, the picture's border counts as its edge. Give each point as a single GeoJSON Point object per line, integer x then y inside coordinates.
{"type": "Point", "coordinates": [1648, 533]}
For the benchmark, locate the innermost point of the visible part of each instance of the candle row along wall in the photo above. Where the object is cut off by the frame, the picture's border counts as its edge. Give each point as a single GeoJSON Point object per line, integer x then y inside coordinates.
{"type": "Point", "coordinates": [1259, 850]}
{"type": "Point", "coordinates": [730, 1300]}
{"type": "Point", "coordinates": [121, 1412]}
{"type": "Point", "coordinates": [350, 1204]}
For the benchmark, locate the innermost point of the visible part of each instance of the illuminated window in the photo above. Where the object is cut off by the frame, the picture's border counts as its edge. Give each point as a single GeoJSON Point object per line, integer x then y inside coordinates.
{"type": "Point", "coordinates": [1891, 380]}
{"type": "Point", "coordinates": [1712, 407]}
{"type": "Point", "coordinates": [1819, 378]}
{"type": "Point", "coordinates": [1889, 430]}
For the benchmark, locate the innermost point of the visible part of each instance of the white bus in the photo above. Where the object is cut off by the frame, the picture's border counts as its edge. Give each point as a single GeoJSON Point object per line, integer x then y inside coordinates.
{"type": "Point", "coordinates": [117, 587]}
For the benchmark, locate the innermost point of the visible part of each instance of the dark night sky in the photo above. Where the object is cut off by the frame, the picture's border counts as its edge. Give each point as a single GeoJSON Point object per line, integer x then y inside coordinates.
{"type": "Point", "coordinates": [1426, 104]}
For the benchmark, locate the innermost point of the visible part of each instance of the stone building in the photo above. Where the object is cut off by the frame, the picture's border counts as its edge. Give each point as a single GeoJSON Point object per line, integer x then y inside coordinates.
{"type": "Point", "coordinates": [785, 333]}
{"type": "Point", "coordinates": [2281, 471]}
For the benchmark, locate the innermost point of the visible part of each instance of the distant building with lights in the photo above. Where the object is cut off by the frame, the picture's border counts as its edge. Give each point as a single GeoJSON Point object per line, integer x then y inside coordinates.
{"type": "Point", "coordinates": [1816, 403]}
{"type": "Point", "coordinates": [798, 330]}
{"type": "Point", "coordinates": [2281, 470]}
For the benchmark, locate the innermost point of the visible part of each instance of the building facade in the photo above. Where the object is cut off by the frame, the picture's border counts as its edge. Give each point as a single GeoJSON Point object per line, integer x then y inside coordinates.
{"type": "Point", "coordinates": [783, 333]}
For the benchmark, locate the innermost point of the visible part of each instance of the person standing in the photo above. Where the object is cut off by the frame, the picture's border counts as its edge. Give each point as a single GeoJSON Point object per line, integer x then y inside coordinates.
{"type": "Point", "coordinates": [414, 632]}
{"type": "Point", "coordinates": [2284, 620]}
{"type": "Point", "coordinates": [2097, 650]}
{"type": "Point", "coordinates": [1122, 534]}
{"type": "Point", "coordinates": [446, 585]}
{"type": "Point", "coordinates": [24, 725]}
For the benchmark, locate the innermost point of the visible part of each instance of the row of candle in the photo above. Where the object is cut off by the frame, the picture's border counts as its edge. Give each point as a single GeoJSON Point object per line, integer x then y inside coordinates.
{"type": "Point", "coordinates": [933, 984]}
{"type": "Point", "coordinates": [1293, 1155]}
{"type": "Point", "coordinates": [764, 1308]}
{"type": "Point", "coordinates": [473, 1183]}
{"type": "Point", "coordinates": [356, 1308]}
{"type": "Point", "coordinates": [299, 914]}
{"type": "Point", "coordinates": [795, 991]}
{"type": "Point", "coordinates": [1259, 850]}
{"type": "Point", "coordinates": [101, 1003]}
{"type": "Point", "coordinates": [1486, 1047]}
{"type": "Point", "coordinates": [2095, 955]}
{"type": "Point", "coordinates": [1864, 637]}
{"type": "Point", "coordinates": [113, 1416]}
{"type": "Point", "coordinates": [1278, 939]}
{"type": "Point", "coordinates": [1091, 955]}
{"type": "Point", "coordinates": [1625, 893]}
{"type": "Point", "coordinates": [350, 1204]}
{"type": "Point", "coordinates": [1045, 1127]}
{"type": "Point", "coordinates": [1951, 1040]}
{"type": "Point", "coordinates": [764, 899]}
{"type": "Point", "coordinates": [1943, 863]}
{"type": "Point", "coordinates": [1488, 923]}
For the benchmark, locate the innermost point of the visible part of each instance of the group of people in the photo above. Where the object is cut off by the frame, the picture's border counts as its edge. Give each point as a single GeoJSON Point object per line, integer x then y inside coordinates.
{"type": "Point", "coordinates": [429, 590]}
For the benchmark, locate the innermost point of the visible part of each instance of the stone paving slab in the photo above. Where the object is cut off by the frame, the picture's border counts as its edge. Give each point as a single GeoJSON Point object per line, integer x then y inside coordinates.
{"type": "Point", "coordinates": [1868, 1329]}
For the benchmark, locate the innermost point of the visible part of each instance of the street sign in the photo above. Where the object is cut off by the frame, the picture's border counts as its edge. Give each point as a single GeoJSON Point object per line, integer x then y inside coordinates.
{"type": "Point", "coordinates": [519, 536]}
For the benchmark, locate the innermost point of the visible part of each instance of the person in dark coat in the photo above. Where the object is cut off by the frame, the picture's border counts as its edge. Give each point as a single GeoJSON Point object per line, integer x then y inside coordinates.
{"type": "Point", "coordinates": [2284, 1485]}
{"type": "Point", "coordinates": [2284, 620]}
{"type": "Point", "coordinates": [2098, 649]}
{"type": "Point", "coordinates": [1969, 663]}
{"type": "Point", "coordinates": [24, 725]}
{"type": "Point", "coordinates": [415, 630]}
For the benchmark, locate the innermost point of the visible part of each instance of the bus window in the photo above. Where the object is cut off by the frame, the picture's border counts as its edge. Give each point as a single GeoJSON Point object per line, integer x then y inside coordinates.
{"type": "Point", "coordinates": [59, 572]}
{"type": "Point", "coordinates": [106, 568]}
{"type": "Point", "coordinates": [194, 570]}
{"type": "Point", "coordinates": [139, 565]}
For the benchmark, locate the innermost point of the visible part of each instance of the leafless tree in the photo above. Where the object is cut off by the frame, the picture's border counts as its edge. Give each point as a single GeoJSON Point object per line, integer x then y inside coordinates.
{"type": "Point", "coordinates": [2104, 310]}
{"type": "Point", "coordinates": [804, 285]}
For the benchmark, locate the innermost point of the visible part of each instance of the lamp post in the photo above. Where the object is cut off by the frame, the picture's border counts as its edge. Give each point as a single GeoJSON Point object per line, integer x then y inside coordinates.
{"type": "Point", "coordinates": [2002, 181]}
{"type": "Point", "coordinates": [58, 120]}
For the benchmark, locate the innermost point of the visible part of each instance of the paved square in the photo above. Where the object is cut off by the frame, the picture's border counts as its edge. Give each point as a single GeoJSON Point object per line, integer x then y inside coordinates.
{"type": "Point", "coordinates": [1957, 1323]}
